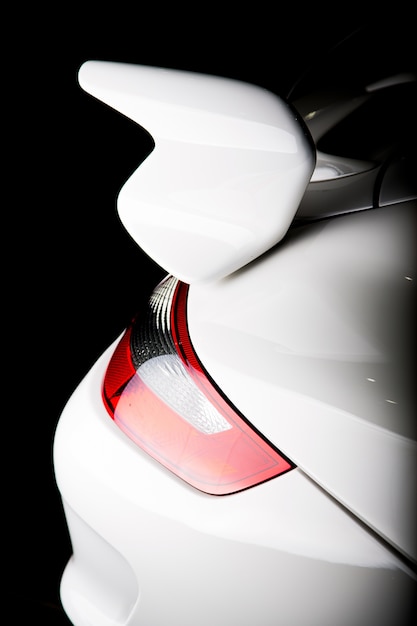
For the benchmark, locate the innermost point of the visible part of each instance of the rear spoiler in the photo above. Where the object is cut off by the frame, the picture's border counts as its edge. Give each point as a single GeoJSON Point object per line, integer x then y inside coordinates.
{"type": "Point", "coordinates": [230, 165]}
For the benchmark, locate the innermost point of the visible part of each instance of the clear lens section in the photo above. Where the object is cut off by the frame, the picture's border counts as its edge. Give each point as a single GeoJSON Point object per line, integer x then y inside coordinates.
{"type": "Point", "coordinates": [158, 393]}
{"type": "Point", "coordinates": [167, 377]}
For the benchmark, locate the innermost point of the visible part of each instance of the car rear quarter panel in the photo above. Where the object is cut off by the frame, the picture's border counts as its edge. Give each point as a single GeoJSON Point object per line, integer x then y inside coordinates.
{"type": "Point", "coordinates": [313, 344]}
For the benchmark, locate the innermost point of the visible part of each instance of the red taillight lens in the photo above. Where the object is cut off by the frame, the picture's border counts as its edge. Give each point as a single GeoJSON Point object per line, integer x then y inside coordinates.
{"type": "Point", "coordinates": [158, 393]}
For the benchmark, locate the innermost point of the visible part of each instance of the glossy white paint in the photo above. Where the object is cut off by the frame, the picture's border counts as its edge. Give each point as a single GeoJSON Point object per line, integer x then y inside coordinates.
{"type": "Point", "coordinates": [150, 549]}
{"type": "Point", "coordinates": [313, 343]}
{"type": "Point", "coordinates": [310, 342]}
{"type": "Point", "coordinates": [230, 166]}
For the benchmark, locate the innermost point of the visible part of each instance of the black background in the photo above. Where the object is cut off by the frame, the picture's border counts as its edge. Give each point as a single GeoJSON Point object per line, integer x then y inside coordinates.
{"type": "Point", "coordinates": [72, 273]}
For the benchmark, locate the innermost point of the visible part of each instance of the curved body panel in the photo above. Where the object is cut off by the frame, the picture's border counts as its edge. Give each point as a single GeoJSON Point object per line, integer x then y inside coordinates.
{"type": "Point", "coordinates": [150, 549]}
{"type": "Point", "coordinates": [314, 344]}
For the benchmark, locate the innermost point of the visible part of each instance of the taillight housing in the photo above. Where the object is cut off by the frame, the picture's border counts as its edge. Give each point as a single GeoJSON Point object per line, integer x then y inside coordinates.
{"type": "Point", "coordinates": [157, 391]}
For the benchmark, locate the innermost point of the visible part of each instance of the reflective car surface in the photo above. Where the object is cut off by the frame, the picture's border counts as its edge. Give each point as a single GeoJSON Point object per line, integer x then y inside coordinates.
{"type": "Point", "coordinates": [245, 452]}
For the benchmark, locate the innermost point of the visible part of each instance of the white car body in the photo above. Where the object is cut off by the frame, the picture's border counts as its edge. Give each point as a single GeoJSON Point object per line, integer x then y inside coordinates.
{"type": "Point", "coordinates": [306, 329]}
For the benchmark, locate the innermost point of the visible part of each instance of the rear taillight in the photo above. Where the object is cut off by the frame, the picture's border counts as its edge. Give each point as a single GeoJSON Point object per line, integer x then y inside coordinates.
{"type": "Point", "coordinates": [159, 394]}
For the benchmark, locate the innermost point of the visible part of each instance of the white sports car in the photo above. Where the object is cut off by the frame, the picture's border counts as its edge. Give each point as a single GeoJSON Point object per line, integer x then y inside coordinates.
{"type": "Point", "coordinates": [245, 453]}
